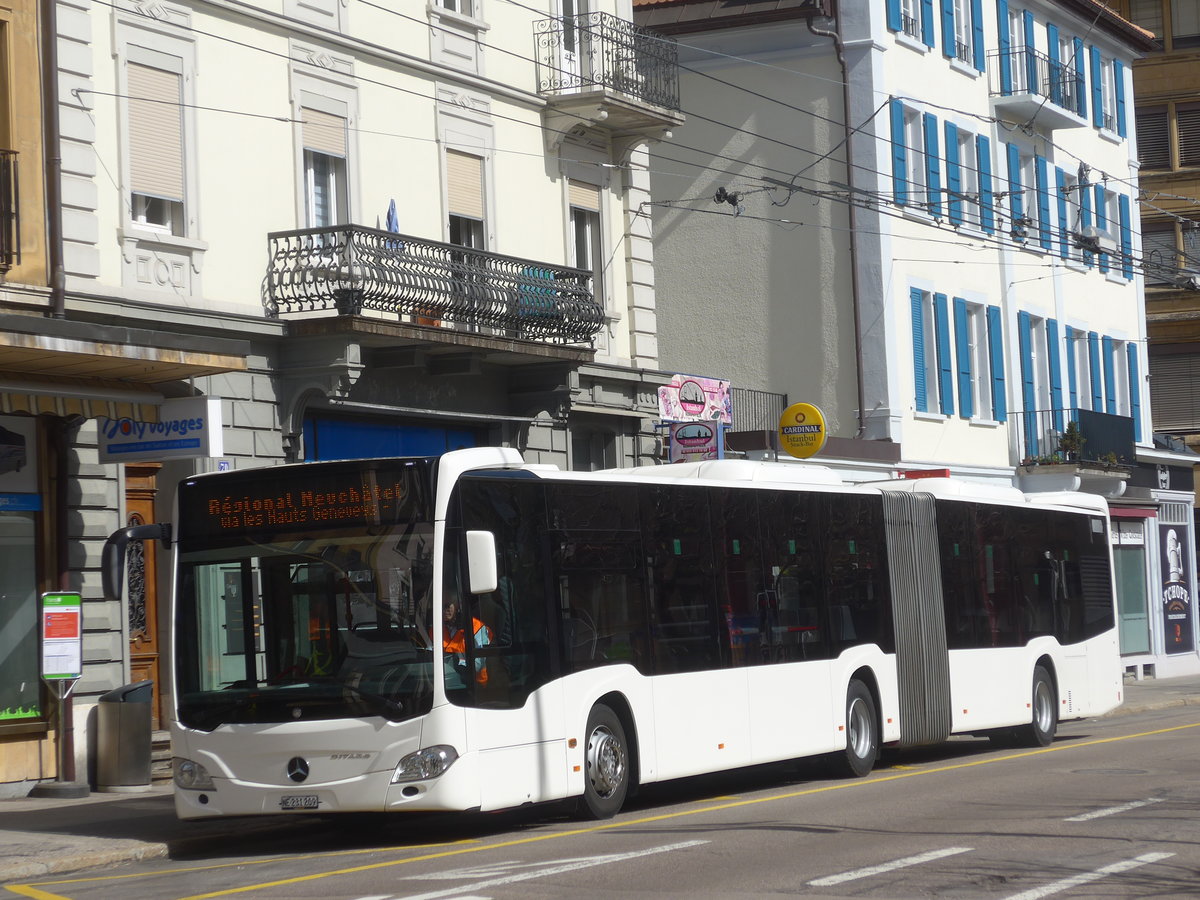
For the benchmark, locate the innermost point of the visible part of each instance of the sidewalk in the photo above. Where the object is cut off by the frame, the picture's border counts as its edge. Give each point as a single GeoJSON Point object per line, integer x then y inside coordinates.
{"type": "Point", "coordinates": [43, 837]}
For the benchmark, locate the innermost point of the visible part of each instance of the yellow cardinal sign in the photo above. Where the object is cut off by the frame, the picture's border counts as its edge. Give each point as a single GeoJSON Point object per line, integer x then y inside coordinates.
{"type": "Point", "coordinates": [802, 430]}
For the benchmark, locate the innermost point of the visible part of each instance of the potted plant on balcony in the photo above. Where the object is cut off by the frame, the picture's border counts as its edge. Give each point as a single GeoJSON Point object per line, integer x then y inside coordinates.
{"type": "Point", "coordinates": [1070, 443]}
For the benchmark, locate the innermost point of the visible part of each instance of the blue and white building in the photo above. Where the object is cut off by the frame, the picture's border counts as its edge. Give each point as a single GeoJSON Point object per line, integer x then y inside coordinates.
{"type": "Point", "coordinates": [931, 237]}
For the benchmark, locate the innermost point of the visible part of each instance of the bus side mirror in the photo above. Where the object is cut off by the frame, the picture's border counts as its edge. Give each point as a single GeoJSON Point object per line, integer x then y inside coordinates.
{"type": "Point", "coordinates": [481, 561]}
{"type": "Point", "coordinates": [112, 561]}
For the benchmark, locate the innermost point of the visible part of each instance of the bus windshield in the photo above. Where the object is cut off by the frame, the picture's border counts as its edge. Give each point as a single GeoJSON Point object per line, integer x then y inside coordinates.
{"type": "Point", "coordinates": [306, 598]}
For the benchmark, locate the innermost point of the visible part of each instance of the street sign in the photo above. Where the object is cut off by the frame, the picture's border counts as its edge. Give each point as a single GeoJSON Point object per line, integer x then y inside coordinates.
{"type": "Point", "coordinates": [62, 636]}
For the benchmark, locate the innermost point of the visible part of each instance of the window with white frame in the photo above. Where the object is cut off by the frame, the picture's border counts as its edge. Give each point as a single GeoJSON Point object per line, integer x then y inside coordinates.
{"type": "Point", "coordinates": [1120, 366]}
{"type": "Point", "coordinates": [1078, 347]}
{"type": "Point", "coordinates": [157, 182]}
{"type": "Point", "coordinates": [325, 177]}
{"type": "Point", "coordinates": [962, 30]}
{"type": "Point", "coordinates": [1029, 203]}
{"type": "Point", "coordinates": [465, 199]}
{"type": "Point", "coordinates": [914, 140]}
{"type": "Point", "coordinates": [969, 178]}
{"type": "Point", "coordinates": [980, 358]}
{"type": "Point", "coordinates": [910, 18]}
{"type": "Point", "coordinates": [1016, 41]}
{"type": "Point", "coordinates": [1040, 357]}
{"type": "Point", "coordinates": [463, 7]}
{"type": "Point", "coordinates": [1108, 95]}
{"type": "Point", "coordinates": [586, 244]}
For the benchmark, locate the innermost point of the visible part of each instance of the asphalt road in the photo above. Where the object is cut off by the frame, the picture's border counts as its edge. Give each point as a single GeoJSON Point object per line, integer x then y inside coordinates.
{"type": "Point", "coordinates": [1109, 810]}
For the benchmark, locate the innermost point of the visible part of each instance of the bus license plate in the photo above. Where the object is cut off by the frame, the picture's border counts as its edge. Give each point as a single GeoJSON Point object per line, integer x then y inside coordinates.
{"type": "Point", "coordinates": [299, 801]}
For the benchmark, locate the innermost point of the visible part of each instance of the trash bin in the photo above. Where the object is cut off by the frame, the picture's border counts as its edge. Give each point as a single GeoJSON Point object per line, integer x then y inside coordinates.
{"type": "Point", "coordinates": [123, 738]}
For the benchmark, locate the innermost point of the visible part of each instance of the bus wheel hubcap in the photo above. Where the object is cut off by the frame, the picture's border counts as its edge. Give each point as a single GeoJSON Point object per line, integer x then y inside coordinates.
{"type": "Point", "coordinates": [605, 761]}
{"type": "Point", "coordinates": [860, 730]}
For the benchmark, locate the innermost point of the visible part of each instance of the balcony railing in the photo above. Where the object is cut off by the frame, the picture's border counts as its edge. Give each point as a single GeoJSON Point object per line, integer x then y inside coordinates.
{"type": "Point", "coordinates": [756, 410]}
{"type": "Point", "coordinates": [1021, 71]}
{"type": "Point", "coordinates": [10, 212]}
{"type": "Point", "coordinates": [350, 269]}
{"type": "Point", "coordinates": [598, 50]}
{"type": "Point", "coordinates": [1084, 436]}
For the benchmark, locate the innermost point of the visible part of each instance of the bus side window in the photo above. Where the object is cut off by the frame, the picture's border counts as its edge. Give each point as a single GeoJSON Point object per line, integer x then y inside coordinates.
{"type": "Point", "coordinates": [793, 602]}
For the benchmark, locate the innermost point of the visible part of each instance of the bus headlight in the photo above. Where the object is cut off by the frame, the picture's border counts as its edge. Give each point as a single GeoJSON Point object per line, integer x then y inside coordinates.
{"type": "Point", "coordinates": [429, 762]}
{"type": "Point", "coordinates": [190, 775]}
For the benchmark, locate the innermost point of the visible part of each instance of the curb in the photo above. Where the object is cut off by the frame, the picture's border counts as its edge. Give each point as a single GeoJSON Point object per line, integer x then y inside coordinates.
{"type": "Point", "coordinates": [1153, 705]}
{"type": "Point", "coordinates": [61, 863]}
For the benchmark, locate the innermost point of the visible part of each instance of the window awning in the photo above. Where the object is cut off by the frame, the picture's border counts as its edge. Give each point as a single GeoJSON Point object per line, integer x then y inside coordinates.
{"type": "Point", "coordinates": [88, 399]}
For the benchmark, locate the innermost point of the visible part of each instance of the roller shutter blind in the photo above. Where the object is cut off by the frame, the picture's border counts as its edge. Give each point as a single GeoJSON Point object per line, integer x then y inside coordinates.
{"type": "Point", "coordinates": [324, 132]}
{"type": "Point", "coordinates": [464, 174]}
{"type": "Point", "coordinates": [155, 132]}
{"type": "Point", "coordinates": [584, 196]}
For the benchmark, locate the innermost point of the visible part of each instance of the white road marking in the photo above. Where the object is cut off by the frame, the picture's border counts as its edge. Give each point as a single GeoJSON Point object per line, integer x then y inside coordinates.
{"type": "Point", "coordinates": [1088, 877]}
{"type": "Point", "coordinates": [889, 866]}
{"type": "Point", "coordinates": [569, 865]}
{"type": "Point", "coordinates": [1112, 810]}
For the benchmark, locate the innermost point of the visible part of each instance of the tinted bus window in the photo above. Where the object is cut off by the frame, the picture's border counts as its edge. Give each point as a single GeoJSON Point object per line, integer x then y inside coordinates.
{"type": "Point", "coordinates": [795, 590]}
{"type": "Point", "coordinates": [600, 581]}
{"type": "Point", "coordinates": [966, 616]}
{"type": "Point", "coordinates": [678, 541]}
{"type": "Point", "coordinates": [855, 565]}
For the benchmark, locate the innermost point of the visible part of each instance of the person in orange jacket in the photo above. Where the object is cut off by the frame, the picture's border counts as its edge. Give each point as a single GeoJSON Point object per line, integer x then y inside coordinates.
{"type": "Point", "coordinates": [454, 641]}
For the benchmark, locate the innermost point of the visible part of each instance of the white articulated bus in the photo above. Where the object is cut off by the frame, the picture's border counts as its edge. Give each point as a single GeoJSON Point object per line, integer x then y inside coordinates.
{"type": "Point", "coordinates": [467, 632]}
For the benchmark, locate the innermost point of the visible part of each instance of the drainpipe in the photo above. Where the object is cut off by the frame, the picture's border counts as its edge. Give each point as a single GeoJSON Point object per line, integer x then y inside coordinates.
{"type": "Point", "coordinates": [839, 48]}
{"type": "Point", "coordinates": [52, 154]}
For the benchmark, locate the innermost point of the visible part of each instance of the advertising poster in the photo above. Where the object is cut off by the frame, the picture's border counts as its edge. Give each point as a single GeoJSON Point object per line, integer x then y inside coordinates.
{"type": "Point", "coordinates": [693, 398]}
{"type": "Point", "coordinates": [695, 441]}
{"type": "Point", "coordinates": [18, 464]}
{"type": "Point", "coordinates": [1176, 589]}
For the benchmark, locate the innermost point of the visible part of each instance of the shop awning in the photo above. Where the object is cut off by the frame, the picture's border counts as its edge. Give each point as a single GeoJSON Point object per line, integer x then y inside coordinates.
{"type": "Point", "coordinates": [88, 399]}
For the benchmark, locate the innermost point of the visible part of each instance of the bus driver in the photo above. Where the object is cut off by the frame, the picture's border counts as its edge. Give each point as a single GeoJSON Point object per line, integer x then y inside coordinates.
{"type": "Point", "coordinates": [454, 642]}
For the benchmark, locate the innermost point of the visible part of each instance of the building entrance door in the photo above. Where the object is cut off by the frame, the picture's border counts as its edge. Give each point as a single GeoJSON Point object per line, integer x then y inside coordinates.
{"type": "Point", "coordinates": [141, 583]}
{"type": "Point", "coordinates": [1129, 559]}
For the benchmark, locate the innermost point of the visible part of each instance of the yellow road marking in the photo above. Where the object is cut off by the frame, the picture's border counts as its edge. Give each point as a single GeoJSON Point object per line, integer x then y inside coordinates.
{"type": "Point", "coordinates": [25, 890]}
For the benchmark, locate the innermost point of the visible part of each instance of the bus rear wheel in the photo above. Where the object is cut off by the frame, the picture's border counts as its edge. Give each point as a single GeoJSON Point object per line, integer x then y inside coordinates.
{"type": "Point", "coordinates": [862, 734]}
{"type": "Point", "coordinates": [606, 764]}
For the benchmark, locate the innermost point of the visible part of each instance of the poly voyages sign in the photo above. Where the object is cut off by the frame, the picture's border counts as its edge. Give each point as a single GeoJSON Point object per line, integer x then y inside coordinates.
{"type": "Point", "coordinates": [187, 428]}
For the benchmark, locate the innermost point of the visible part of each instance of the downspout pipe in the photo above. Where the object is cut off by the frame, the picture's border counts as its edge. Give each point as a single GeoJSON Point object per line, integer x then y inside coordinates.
{"type": "Point", "coordinates": [52, 154]}
{"type": "Point", "coordinates": [840, 49]}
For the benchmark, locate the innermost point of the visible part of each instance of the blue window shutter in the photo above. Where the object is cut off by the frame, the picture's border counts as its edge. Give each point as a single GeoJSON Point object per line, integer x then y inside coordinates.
{"type": "Point", "coordinates": [962, 350]}
{"type": "Point", "coordinates": [1031, 72]}
{"type": "Point", "coordinates": [1119, 84]}
{"type": "Point", "coordinates": [1043, 201]}
{"type": "Point", "coordinates": [996, 358]}
{"type": "Point", "coordinates": [1055, 365]}
{"type": "Point", "coordinates": [987, 200]}
{"type": "Point", "coordinates": [1016, 199]}
{"type": "Point", "coordinates": [899, 155]}
{"type": "Point", "coordinates": [1028, 398]}
{"type": "Point", "coordinates": [917, 299]}
{"type": "Point", "coordinates": [978, 51]}
{"type": "Point", "coordinates": [1135, 393]}
{"type": "Point", "coordinates": [1072, 380]}
{"type": "Point", "coordinates": [1097, 88]}
{"type": "Point", "coordinates": [949, 47]}
{"type": "Point", "coordinates": [1110, 376]}
{"type": "Point", "coordinates": [1056, 88]}
{"type": "Point", "coordinates": [1005, 47]}
{"type": "Point", "coordinates": [894, 21]}
{"type": "Point", "coordinates": [953, 176]}
{"type": "Point", "coordinates": [1126, 237]}
{"type": "Point", "coordinates": [1080, 81]}
{"type": "Point", "coordinates": [1064, 226]}
{"type": "Point", "coordinates": [1094, 371]}
{"type": "Point", "coordinates": [927, 22]}
{"type": "Point", "coordinates": [1101, 222]}
{"type": "Point", "coordinates": [941, 325]}
{"type": "Point", "coordinates": [933, 166]}
{"type": "Point", "coordinates": [1085, 215]}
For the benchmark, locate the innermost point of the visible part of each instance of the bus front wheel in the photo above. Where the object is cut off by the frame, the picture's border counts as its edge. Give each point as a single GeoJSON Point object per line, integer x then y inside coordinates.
{"type": "Point", "coordinates": [606, 763]}
{"type": "Point", "coordinates": [862, 734]}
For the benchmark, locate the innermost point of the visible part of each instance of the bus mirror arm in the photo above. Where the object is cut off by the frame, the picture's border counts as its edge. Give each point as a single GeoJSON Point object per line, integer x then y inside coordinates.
{"type": "Point", "coordinates": [112, 565]}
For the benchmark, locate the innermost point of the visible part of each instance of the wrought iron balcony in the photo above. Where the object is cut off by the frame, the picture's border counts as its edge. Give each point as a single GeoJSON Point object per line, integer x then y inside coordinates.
{"type": "Point", "coordinates": [1026, 83]}
{"type": "Point", "coordinates": [10, 212]}
{"type": "Point", "coordinates": [601, 51]}
{"type": "Point", "coordinates": [1080, 436]}
{"type": "Point", "coordinates": [350, 269]}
